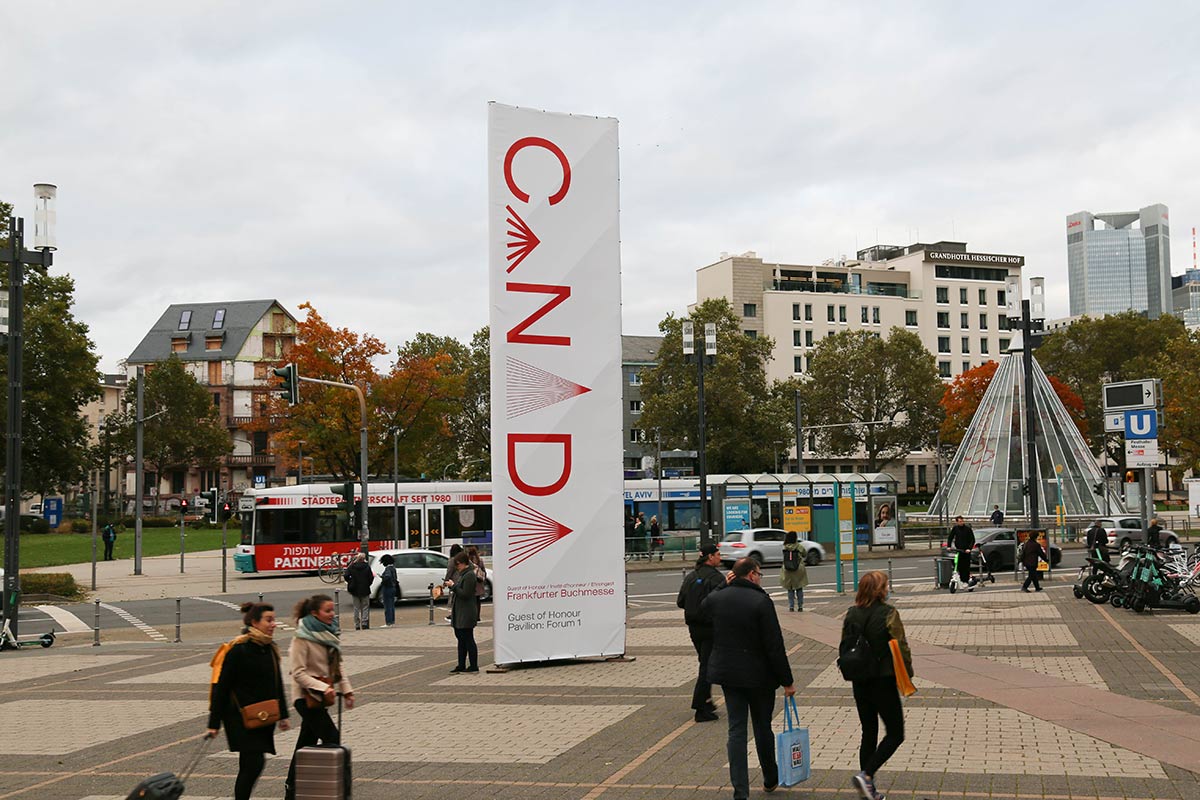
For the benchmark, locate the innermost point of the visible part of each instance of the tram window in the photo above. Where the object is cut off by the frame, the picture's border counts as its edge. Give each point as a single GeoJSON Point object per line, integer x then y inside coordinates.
{"type": "Point", "coordinates": [279, 526]}
{"type": "Point", "coordinates": [434, 518]}
{"type": "Point", "coordinates": [684, 516]}
{"type": "Point", "coordinates": [471, 523]}
{"type": "Point", "coordinates": [414, 527]}
{"type": "Point", "coordinates": [246, 528]}
{"type": "Point", "coordinates": [325, 526]}
{"type": "Point", "coordinates": [380, 521]}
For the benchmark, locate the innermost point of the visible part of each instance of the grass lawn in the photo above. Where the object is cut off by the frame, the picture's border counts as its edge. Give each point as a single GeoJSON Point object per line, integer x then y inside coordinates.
{"type": "Point", "coordinates": [52, 549]}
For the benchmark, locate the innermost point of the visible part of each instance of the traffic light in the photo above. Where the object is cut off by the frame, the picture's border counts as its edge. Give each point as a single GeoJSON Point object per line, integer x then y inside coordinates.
{"type": "Point", "coordinates": [211, 496]}
{"type": "Point", "coordinates": [183, 507]}
{"type": "Point", "coordinates": [289, 387]}
{"type": "Point", "coordinates": [1130, 476]}
{"type": "Point", "coordinates": [1025, 487]}
{"type": "Point", "coordinates": [1098, 488]}
{"type": "Point", "coordinates": [346, 504]}
{"type": "Point", "coordinates": [226, 511]}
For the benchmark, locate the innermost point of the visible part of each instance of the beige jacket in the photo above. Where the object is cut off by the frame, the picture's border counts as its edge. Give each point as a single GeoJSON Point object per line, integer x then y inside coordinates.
{"type": "Point", "coordinates": [310, 660]}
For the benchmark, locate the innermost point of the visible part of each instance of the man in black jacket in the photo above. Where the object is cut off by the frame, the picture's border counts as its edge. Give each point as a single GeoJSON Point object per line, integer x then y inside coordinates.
{"type": "Point", "coordinates": [1153, 534]}
{"type": "Point", "coordinates": [748, 661]}
{"type": "Point", "coordinates": [358, 583]}
{"type": "Point", "coordinates": [697, 585]}
{"type": "Point", "coordinates": [962, 538]}
{"type": "Point", "coordinates": [1097, 542]}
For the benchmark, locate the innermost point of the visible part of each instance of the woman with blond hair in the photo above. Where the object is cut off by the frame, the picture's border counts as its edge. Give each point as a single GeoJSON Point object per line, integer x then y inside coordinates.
{"type": "Point", "coordinates": [876, 695]}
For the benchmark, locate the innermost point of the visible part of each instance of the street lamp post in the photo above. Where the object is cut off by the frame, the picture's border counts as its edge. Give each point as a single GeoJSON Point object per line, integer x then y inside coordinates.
{"type": "Point", "coordinates": [396, 485]}
{"type": "Point", "coordinates": [300, 462]}
{"type": "Point", "coordinates": [710, 352]}
{"type": "Point", "coordinates": [662, 523]}
{"type": "Point", "coordinates": [16, 256]}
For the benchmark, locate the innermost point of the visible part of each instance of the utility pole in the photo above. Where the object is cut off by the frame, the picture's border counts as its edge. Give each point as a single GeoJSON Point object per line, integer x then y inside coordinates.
{"type": "Point", "coordinates": [710, 352]}
{"type": "Point", "coordinates": [364, 531]}
{"type": "Point", "coordinates": [799, 436]}
{"type": "Point", "coordinates": [1030, 416]}
{"type": "Point", "coordinates": [139, 475]}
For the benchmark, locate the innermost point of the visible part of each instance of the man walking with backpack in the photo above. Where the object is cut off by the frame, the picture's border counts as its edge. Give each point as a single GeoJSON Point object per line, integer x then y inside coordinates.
{"type": "Point", "coordinates": [794, 575]}
{"type": "Point", "coordinates": [697, 585]}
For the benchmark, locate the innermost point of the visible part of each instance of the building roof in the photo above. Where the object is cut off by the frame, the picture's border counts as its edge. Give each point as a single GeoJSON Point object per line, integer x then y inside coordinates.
{"type": "Point", "coordinates": [640, 349]}
{"type": "Point", "coordinates": [239, 319]}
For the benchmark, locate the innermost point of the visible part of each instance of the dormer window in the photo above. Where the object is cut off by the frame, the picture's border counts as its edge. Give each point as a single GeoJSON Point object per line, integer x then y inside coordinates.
{"type": "Point", "coordinates": [218, 319]}
{"type": "Point", "coordinates": [185, 320]}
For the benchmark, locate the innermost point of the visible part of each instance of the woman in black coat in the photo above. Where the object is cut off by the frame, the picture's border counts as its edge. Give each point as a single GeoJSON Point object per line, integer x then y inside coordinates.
{"type": "Point", "coordinates": [249, 674]}
{"type": "Point", "coordinates": [465, 612]}
{"type": "Point", "coordinates": [1030, 556]}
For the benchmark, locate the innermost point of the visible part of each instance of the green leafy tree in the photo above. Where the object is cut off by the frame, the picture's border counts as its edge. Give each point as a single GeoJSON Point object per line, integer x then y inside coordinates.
{"type": "Point", "coordinates": [471, 425]}
{"type": "Point", "coordinates": [59, 377]}
{"type": "Point", "coordinates": [856, 377]}
{"type": "Point", "coordinates": [1091, 352]}
{"type": "Point", "coordinates": [1179, 368]}
{"type": "Point", "coordinates": [187, 431]}
{"type": "Point", "coordinates": [746, 417]}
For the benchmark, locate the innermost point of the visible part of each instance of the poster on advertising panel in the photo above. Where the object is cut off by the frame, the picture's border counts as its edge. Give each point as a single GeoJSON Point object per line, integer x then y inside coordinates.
{"type": "Point", "coordinates": [555, 295]}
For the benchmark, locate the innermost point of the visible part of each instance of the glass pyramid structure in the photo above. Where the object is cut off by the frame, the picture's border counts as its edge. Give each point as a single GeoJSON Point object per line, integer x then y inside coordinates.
{"type": "Point", "coordinates": [991, 464]}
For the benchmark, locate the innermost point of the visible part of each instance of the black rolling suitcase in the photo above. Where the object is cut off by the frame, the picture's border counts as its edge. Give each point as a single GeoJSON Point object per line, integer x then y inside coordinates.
{"type": "Point", "coordinates": [167, 785]}
{"type": "Point", "coordinates": [323, 772]}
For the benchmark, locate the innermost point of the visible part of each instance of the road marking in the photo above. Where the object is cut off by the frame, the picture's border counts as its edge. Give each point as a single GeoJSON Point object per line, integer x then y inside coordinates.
{"type": "Point", "coordinates": [235, 607]}
{"type": "Point", "coordinates": [135, 622]}
{"type": "Point", "coordinates": [69, 622]}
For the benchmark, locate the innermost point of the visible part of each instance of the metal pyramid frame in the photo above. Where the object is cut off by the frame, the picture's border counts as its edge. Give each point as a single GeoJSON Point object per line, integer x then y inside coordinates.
{"type": "Point", "coordinates": [990, 466]}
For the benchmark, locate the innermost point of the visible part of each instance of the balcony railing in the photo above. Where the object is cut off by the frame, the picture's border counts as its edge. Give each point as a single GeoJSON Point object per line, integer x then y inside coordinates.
{"type": "Point", "coordinates": [821, 287]}
{"type": "Point", "coordinates": [259, 460]}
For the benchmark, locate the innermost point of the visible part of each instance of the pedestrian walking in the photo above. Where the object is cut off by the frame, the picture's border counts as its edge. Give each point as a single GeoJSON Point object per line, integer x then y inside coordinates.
{"type": "Point", "coordinates": [358, 583]}
{"type": "Point", "coordinates": [749, 662]}
{"type": "Point", "coordinates": [389, 582]}
{"type": "Point", "coordinates": [794, 575]}
{"type": "Point", "coordinates": [875, 693]}
{"type": "Point", "coordinates": [697, 585]}
{"type": "Point", "coordinates": [247, 695]}
{"type": "Point", "coordinates": [997, 516]}
{"type": "Point", "coordinates": [109, 537]}
{"type": "Point", "coordinates": [480, 578]}
{"type": "Point", "coordinates": [962, 538]}
{"type": "Point", "coordinates": [1154, 534]}
{"type": "Point", "coordinates": [464, 614]}
{"type": "Point", "coordinates": [641, 534]}
{"type": "Point", "coordinates": [1097, 542]}
{"type": "Point", "coordinates": [318, 676]}
{"type": "Point", "coordinates": [656, 540]}
{"type": "Point", "coordinates": [631, 545]}
{"type": "Point", "coordinates": [1032, 555]}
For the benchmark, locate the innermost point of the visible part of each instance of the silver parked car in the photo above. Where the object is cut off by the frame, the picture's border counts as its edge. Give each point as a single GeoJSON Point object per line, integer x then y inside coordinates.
{"type": "Point", "coordinates": [1124, 532]}
{"type": "Point", "coordinates": [415, 570]}
{"type": "Point", "coordinates": [764, 545]}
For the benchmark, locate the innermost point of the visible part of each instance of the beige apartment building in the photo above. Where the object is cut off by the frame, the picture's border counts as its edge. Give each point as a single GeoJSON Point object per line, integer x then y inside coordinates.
{"type": "Point", "coordinates": [956, 300]}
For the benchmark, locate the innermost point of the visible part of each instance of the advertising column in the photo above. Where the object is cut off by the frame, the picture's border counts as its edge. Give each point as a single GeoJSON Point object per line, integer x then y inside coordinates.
{"type": "Point", "coordinates": [558, 568]}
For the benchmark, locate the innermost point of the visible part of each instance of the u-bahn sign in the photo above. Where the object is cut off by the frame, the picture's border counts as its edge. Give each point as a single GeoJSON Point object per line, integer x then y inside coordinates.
{"type": "Point", "coordinates": [555, 293]}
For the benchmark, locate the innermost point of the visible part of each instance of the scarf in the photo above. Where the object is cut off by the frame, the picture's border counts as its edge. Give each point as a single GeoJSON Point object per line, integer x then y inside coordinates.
{"type": "Point", "coordinates": [313, 630]}
{"type": "Point", "coordinates": [260, 638]}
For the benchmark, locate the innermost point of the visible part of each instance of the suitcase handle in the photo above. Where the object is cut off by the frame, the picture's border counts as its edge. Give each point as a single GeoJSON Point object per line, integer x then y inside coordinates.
{"type": "Point", "coordinates": [191, 765]}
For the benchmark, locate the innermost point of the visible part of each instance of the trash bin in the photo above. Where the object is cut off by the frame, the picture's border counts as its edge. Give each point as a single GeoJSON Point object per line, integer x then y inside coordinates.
{"type": "Point", "coordinates": [943, 568]}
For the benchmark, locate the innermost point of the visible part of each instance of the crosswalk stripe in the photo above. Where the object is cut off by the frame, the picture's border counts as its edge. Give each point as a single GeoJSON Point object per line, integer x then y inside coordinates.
{"type": "Point", "coordinates": [135, 622]}
{"type": "Point", "coordinates": [66, 620]}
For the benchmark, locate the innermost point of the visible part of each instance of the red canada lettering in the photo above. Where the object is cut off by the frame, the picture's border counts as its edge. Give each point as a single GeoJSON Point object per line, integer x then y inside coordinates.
{"type": "Point", "coordinates": [536, 141]}
{"type": "Point", "coordinates": [517, 335]}
{"type": "Point", "coordinates": [563, 439]}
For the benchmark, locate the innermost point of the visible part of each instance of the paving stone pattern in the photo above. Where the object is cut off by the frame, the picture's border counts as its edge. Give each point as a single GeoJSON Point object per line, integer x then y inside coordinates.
{"type": "Point", "coordinates": [992, 635]}
{"type": "Point", "coordinates": [202, 673]}
{"type": "Point", "coordinates": [645, 672]}
{"type": "Point", "coordinates": [95, 722]}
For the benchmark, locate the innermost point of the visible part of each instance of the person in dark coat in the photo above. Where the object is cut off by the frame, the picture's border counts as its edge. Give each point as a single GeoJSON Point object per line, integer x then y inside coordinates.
{"type": "Point", "coordinates": [250, 674]}
{"type": "Point", "coordinates": [358, 583]}
{"type": "Point", "coordinates": [696, 586]}
{"type": "Point", "coordinates": [464, 615]}
{"type": "Point", "coordinates": [962, 537]}
{"type": "Point", "coordinates": [749, 662]}
{"type": "Point", "coordinates": [109, 537]}
{"type": "Point", "coordinates": [876, 697]}
{"type": "Point", "coordinates": [997, 516]}
{"type": "Point", "coordinates": [1154, 534]}
{"type": "Point", "coordinates": [1030, 556]}
{"type": "Point", "coordinates": [1097, 542]}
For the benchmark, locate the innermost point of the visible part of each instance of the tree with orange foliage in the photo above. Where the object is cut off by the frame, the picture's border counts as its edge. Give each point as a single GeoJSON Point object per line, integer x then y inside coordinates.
{"type": "Point", "coordinates": [962, 398]}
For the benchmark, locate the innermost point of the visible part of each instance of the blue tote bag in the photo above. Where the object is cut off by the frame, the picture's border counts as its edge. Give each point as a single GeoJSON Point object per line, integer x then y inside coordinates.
{"type": "Point", "coordinates": [791, 746]}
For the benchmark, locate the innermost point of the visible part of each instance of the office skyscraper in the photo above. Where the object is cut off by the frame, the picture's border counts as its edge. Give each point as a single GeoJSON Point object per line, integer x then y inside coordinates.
{"type": "Point", "coordinates": [1117, 267]}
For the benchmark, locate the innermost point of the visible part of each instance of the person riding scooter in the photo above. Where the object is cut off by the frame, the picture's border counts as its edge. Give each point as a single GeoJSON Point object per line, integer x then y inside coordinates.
{"type": "Point", "coordinates": [962, 538]}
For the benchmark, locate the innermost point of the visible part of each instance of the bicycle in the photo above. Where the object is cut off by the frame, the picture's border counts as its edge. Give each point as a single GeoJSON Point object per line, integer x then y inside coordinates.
{"type": "Point", "coordinates": [333, 569]}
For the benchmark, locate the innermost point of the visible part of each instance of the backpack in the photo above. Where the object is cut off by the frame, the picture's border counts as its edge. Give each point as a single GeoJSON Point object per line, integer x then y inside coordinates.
{"type": "Point", "coordinates": [856, 658]}
{"type": "Point", "coordinates": [791, 560]}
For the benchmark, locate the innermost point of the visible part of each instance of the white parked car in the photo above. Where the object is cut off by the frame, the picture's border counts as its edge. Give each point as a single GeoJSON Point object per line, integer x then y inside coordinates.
{"type": "Point", "coordinates": [415, 570]}
{"type": "Point", "coordinates": [765, 545]}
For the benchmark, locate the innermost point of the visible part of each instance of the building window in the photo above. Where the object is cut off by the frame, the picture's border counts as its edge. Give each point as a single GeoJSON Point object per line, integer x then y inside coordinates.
{"type": "Point", "coordinates": [943, 319]}
{"type": "Point", "coordinates": [260, 443]}
{"type": "Point", "coordinates": [865, 315]}
{"type": "Point", "coordinates": [944, 369]}
{"type": "Point", "coordinates": [635, 406]}
{"type": "Point", "coordinates": [875, 314]}
{"type": "Point", "coordinates": [910, 318]}
{"type": "Point", "coordinates": [216, 399]}
{"type": "Point", "coordinates": [962, 296]}
{"type": "Point", "coordinates": [1000, 301]}
{"type": "Point", "coordinates": [921, 476]}
{"type": "Point", "coordinates": [943, 344]}
{"type": "Point", "coordinates": [749, 309]}
{"type": "Point", "coordinates": [185, 320]}
{"type": "Point", "coordinates": [808, 312]}
{"type": "Point", "coordinates": [796, 311]}
{"type": "Point", "coordinates": [1004, 345]}
{"type": "Point", "coordinates": [983, 322]}
{"type": "Point", "coordinates": [966, 344]}
{"type": "Point", "coordinates": [841, 313]}
{"type": "Point", "coordinates": [1002, 322]}
{"type": "Point", "coordinates": [964, 320]}
{"type": "Point", "coordinates": [797, 364]}
{"type": "Point", "coordinates": [212, 343]}
{"type": "Point", "coordinates": [943, 294]}
{"type": "Point", "coordinates": [808, 339]}
{"type": "Point", "coordinates": [218, 319]}
{"type": "Point", "coordinates": [983, 297]}
{"type": "Point", "coordinates": [796, 338]}
{"type": "Point", "coordinates": [909, 477]}
{"type": "Point", "coordinates": [214, 373]}
{"type": "Point", "coordinates": [966, 366]}
{"type": "Point", "coordinates": [634, 435]}
{"type": "Point", "coordinates": [829, 314]}
{"type": "Point", "coordinates": [635, 378]}
{"type": "Point", "coordinates": [983, 346]}
{"type": "Point", "coordinates": [751, 334]}
{"type": "Point", "coordinates": [179, 345]}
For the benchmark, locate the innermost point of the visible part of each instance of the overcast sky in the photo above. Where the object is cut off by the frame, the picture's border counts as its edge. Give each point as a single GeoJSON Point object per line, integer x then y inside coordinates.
{"type": "Point", "coordinates": [335, 152]}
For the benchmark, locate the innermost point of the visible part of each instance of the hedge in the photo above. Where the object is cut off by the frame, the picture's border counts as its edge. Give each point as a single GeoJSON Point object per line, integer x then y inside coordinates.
{"type": "Point", "coordinates": [56, 583]}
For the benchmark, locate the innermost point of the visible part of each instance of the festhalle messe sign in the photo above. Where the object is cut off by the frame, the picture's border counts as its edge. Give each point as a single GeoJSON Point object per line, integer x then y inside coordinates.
{"type": "Point", "coordinates": [555, 291]}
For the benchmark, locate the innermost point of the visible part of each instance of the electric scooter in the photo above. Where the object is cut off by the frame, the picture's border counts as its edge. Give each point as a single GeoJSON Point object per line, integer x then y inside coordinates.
{"type": "Point", "coordinates": [10, 642]}
{"type": "Point", "coordinates": [956, 581]}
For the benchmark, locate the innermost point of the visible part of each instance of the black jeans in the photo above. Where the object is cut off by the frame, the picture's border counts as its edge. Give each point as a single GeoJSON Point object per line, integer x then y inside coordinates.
{"type": "Point", "coordinates": [250, 766]}
{"type": "Point", "coordinates": [1035, 577]}
{"type": "Point", "coordinates": [108, 548]}
{"type": "Point", "coordinates": [703, 642]}
{"type": "Point", "coordinates": [878, 698]}
{"type": "Point", "coordinates": [317, 726]}
{"type": "Point", "coordinates": [759, 705]}
{"type": "Point", "coordinates": [467, 648]}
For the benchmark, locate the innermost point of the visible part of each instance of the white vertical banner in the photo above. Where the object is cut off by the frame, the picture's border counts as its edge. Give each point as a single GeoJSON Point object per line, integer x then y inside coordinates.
{"type": "Point", "coordinates": [558, 568]}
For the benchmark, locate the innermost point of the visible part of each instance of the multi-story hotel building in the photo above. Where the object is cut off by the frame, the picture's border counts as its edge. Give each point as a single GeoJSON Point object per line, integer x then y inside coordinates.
{"type": "Point", "coordinates": [958, 302]}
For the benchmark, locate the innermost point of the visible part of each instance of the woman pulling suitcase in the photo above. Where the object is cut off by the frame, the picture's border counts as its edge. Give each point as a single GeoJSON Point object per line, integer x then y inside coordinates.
{"type": "Point", "coordinates": [248, 696]}
{"type": "Point", "coordinates": [317, 675]}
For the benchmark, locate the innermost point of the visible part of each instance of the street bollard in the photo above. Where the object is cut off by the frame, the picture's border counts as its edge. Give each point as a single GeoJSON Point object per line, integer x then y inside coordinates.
{"type": "Point", "coordinates": [431, 622]}
{"type": "Point", "coordinates": [178, 617]}
{"type": "Point", "coordinates": [890, 584]}
{"type": "Point", "coordinates": [337, 605]}
{"type": "Point", "coordinates": [96, 627]}
{"type": "Point", "coordinates": [260, 598]}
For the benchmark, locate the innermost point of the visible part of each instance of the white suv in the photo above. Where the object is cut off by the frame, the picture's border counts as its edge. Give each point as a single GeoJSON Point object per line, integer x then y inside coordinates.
{"type": "Point", "coordinates": [764, 545]}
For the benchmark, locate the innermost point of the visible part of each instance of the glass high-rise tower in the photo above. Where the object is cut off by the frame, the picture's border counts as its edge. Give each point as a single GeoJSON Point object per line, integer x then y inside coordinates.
{"type": "Point", "coordinates": [1115, 266]}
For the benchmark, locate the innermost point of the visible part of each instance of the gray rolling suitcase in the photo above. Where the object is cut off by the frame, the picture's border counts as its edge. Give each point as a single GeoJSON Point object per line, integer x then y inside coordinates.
{"type": "Point", "coordinates": [323, 772]}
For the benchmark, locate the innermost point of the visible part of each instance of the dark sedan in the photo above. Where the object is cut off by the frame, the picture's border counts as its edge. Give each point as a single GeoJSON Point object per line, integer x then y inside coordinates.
{"type": "Point", "coordinates": [998, 546]}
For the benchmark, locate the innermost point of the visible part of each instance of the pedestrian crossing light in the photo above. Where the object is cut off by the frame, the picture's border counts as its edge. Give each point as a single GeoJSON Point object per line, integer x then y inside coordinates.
{"type": "Point", "coordinates": [183, 507]}
{"type": "Point", "coordinates": [226, 511]}
{"type": "Point", "coordinates": [289, 387]}
{"type": "Point", "coordinates": [1130, 476]}
{"type": "Point", "coordinates": [211, 497]}
{"type": "Point", "coordinates": [346, 492]}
